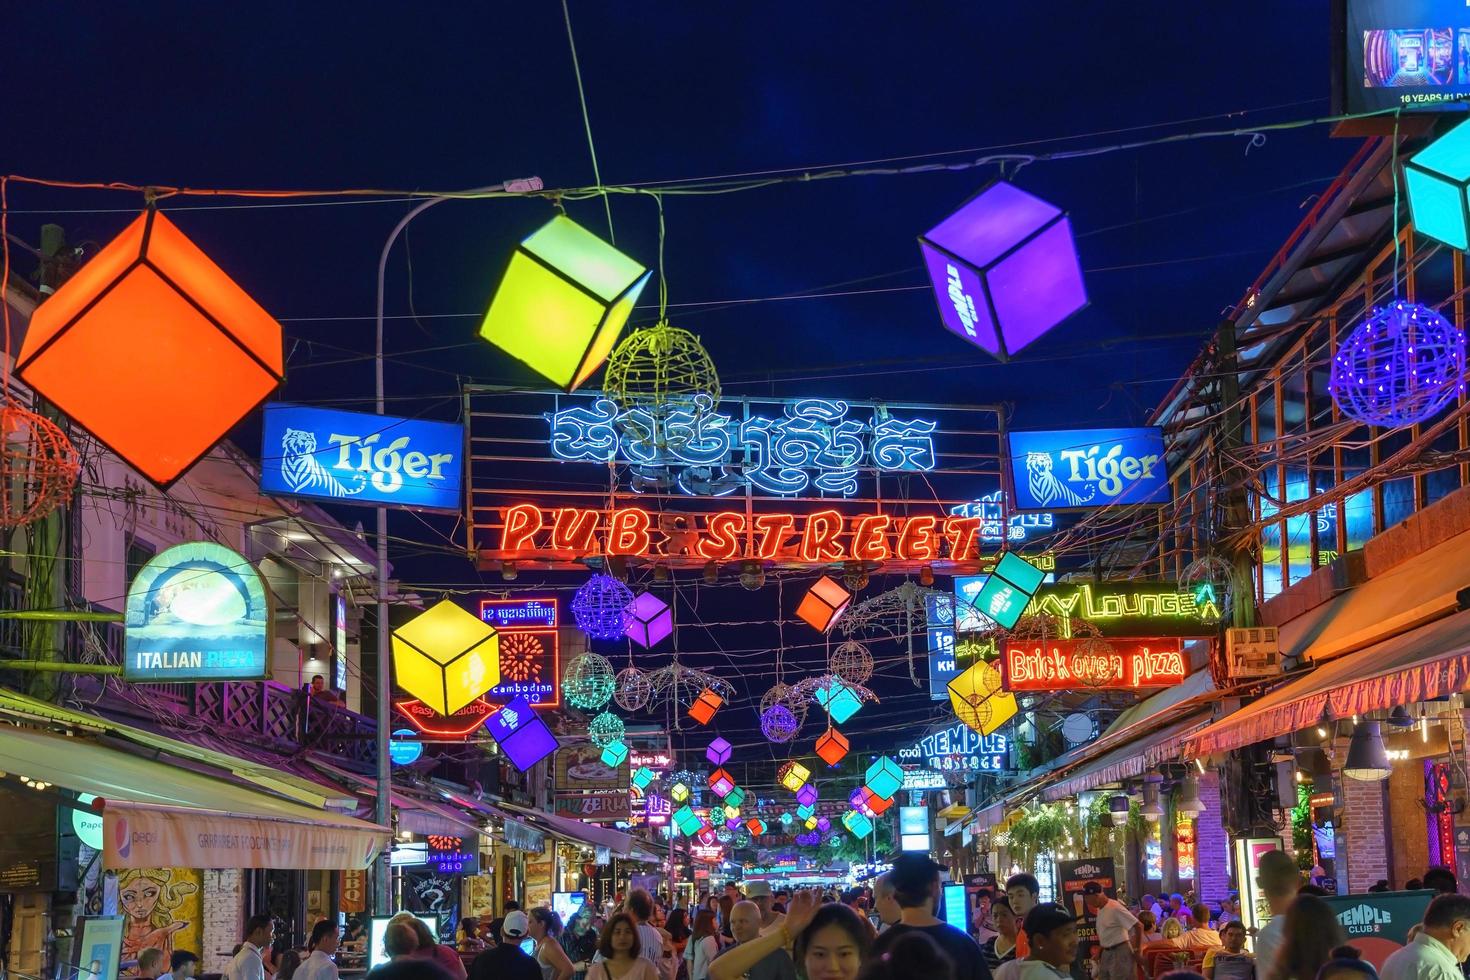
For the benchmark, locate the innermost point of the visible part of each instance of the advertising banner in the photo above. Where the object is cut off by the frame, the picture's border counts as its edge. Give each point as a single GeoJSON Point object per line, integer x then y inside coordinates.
{"type": "Point", "coordinates": [1255, 911]}
{"type": "Point", "coordinates": [1080, 468]}
{"type": "Point", "coordinates": [196, 612]}
{"type": "Point", "coordinates": [1072, 877]}
{"type": "Point", "coordinates": [594, 807]}
{"type": "Point", "coordinates": [1379, 922]}
{"type": "Point", "coordinates": [154, 837]}
{"type": "Point", "coordinates": [1062, 665]}
{"type": "Point", "coordinates": [579, 768]}
{"type": "Point", "coordinates": [360, 458]}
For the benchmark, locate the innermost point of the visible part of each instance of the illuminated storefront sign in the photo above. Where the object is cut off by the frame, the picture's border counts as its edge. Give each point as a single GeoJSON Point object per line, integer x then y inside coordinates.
{"type": "Point", "coordinates": [452, 855]}
{"type": "Point", "coordinates": [1184, 847]}
{"type": "Point", "coordinates": [819, 537]}
{"type": "Point", "coordinates": [916, 778]}
{"type": "Point", "coordinates": [530, 650]}
{"type": "Point", "coordinates": [606, 807]}
{"type": "Point", "coordinates": [1074, 468]}
{"type": "Point", "coordinates": [996, 526]}
{"type": "Point", "coordinates": [1127, 609]}
{"type": "Point", "coordinates": [339, 641]}
{"type": "Point", "coordinates": [196, 612]}
{"type": "Point", "coordinates": [1153, 852]}
{"type": "Point", "coordinates": [1060, 665]}
{"type": "Point", "coordinates": [958, 748]}
{"type": "Point", "coordinates": [812, 446]}
{"type": "Point", "coordinates": [913, 828]}
{"type": "Point", "coordinates": [355, 457]}
{"type": "Point", "coordinates": [458, 725]}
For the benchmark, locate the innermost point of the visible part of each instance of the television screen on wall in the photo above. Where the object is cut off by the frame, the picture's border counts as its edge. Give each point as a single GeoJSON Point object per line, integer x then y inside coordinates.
{"type": "Point", "coordinates": [1413, 54]}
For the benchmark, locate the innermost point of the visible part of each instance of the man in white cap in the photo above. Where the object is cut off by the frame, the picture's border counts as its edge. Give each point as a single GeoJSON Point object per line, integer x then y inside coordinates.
{"type": "Point", "coordinates": [506, 960]}
{"type": "Point", "coordinates": [759, 892]}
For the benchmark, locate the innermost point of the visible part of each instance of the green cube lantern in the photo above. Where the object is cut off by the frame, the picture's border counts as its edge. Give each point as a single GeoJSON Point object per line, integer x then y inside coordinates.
{"type": "Point", "coordinates": [679, 792]}
{"type": "Point", "coordinates": [687, 821]}
{"type": "Point", "coordinates": [1438, 179]}
{"type": "Point", "coordinates": [643, 777]}
{"type": "Point", "coordinates": [857, 824]}
{"type": "Point", "coordinates": [563, 302]}
{"type": "Point", "coordinates": [735, 797]}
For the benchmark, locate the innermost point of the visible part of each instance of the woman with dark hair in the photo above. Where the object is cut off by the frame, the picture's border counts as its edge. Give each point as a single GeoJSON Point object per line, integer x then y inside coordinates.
{"type": "Point", "coordinates": [677, 926]}
{"type": "Point", "coordinates": [545, 928]}
{"type": "Point", "coordinates": [579, 941]}
{"type": "Point", "coordinates": [1310, 935]}
{"type": "Point", "coordinates": [703, 946]}
{"type": "Point", "coordinates": [428, 947]}
{"type": "Point", "coordinates": [726, 905]}
{"type": "Point", "coordinates": [912, 954]}
{"type": "Point", "coordinates": [620, 951]}
{"type": "Point", "coordinates": [829, 942]}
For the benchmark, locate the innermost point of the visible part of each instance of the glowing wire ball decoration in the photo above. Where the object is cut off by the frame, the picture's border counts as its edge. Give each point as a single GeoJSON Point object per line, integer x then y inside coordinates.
{"type": "Point", "coordinates": [786, 696]}
{"type": "Point", "coordinates": [1400, 366]}
{"type": "Point", "coordinates": [632, 689]}
{"type": "Point", "coordinates": [779, 724]}
{"type": "Point", "coordinates": [38, 466]}
{"type": "Point", "coordinates": [605, 729]}
{"type": "Point", "coordinates": [588, 681]}
{"type": "Point", "coordinates": [852, 662]}
{"type": "Point", "coordinates": [660, 368]}
{"type": "Point", "coordinates": [563, 301]}
{"type": "Point", "coordinates": [600, 608]}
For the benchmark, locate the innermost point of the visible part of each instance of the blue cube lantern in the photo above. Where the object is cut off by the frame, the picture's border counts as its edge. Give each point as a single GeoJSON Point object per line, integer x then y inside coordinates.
{"type": "Point", "coordinates": [884, 777]}
{"type": "Point", "coordinates": [522, 735]}
{"type": "Point", "coordinates": [805, 812]}
{"type": "Point", "coordinates": [1438, 180]}
{"type": "Point", "coordinates": [643, 777]}
{"type": "Point", "coordinates": [840, 700]}
{"type": "Point", "coordinates": [614, 754]}
{"type": "Point", "coordinates": [1004, 269]}
{"type": "Point", "coordinates": [857, 824]}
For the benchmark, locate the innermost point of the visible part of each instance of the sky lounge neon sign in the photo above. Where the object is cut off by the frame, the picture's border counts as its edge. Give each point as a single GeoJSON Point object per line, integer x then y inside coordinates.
{"type": "Point", "coordinates": [814, 445]}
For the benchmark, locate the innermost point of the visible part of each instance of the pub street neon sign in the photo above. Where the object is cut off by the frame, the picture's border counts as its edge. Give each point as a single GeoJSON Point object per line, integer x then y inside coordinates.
{"type": "Point", "coordinates": [812, 445]}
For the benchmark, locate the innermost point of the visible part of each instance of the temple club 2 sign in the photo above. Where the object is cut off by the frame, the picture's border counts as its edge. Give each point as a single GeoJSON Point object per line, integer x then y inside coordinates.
{"type": "Point", "coordinates": [530, 650]}
{"type": "Point", "coordinates": [1076, 468]}
{"type": "Point", "coordinates": [196, 612]}
{"type": "Point", "coordinates": [354, 457]}
{"type": "Point", "coordinates": [1062, 665]}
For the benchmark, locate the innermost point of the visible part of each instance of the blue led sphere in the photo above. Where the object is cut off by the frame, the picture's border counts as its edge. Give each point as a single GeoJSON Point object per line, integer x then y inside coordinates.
{"type": "Point", "coordinates": [605, 729]}
{"type": "Point", "coordinates": [1400, 366]}
{"type": "Point", "coordinates": [600, 607]}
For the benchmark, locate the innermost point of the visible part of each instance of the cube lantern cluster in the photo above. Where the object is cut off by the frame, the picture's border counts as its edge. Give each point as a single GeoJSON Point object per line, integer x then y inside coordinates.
{"type": "Point", "coordinates": [650, 620]}
{"type": "Point", "coordinates": [446, 657]}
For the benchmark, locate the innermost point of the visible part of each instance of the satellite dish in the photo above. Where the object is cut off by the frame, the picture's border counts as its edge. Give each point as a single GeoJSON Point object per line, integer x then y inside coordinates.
{"type": "Point", "coordinates": [1078, 728]}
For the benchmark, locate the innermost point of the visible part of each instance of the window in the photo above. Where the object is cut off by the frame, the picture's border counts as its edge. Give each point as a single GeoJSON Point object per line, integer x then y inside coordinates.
{"type": "Point", "coordinates": [138, 554]}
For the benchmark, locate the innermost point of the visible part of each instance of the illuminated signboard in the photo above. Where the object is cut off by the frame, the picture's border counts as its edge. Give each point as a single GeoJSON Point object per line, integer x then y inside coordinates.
{"type": "Point", "coordinates": [1127, 609]}
{"type": "Point", "coordinates": [1061, 665]}
{"type": "Point", "coordinates": [1077, 468]}
{"type": "Point", "coordinates": [818, 537]}
{"type": "Point", "coordinates": [1184, 847]}
{"type": "Point", "coordinates": [339, 641]}
{"type": "Point", "coordinates": [452, 855]}
{"type": "Point", "coordinates": [1153, 852]}
{"type": "Point", "coordinates": [358, 458]}
{"type": "Point", "coordinates": [959, 748]}
{"type": "Point", "coordinates": [530, 650]}
{"type": "Point", "coordinates": [657, 763]}
{"type": "Point", "coordinates": [996, 525]}
{"type": "Point", "coordinates": [915, 778]}
{"type": "Point", "coordinates": [458, 725]}
{"type": "Point", "coordinates": [913, 828]}
{"type": "Point", "coordinates": [403, 752]}
{"type": "Point", "coordinates": [196, 612]}
{"type": "Point", "coordinates": [812, 445]}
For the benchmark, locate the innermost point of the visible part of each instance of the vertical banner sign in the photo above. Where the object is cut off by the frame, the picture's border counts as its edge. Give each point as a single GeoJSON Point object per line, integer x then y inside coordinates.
{"type": "Point", "coordinates": [530, 650]}
{"type": "Point", "coordinates": [1378, 923]}
{"type": "Point", "coordinates": [1072, 877]}
{"type": "Point", "coordinates": [1255, 911]}
{"type": "Point", "coordinates": [1082, 468]}
{"type": "Point", "coordinates": [354, 890]}
{"type": "Point", "coordinates": [357, 458]}
{"type": "Point", "coordinates": [1185, 851]}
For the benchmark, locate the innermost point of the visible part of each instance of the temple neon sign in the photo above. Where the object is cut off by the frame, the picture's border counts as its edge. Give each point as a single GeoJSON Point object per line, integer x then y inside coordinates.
{"type": "Point", "coordinates": [996, 526]}
{"type": "Point", "coordinates": [819, 537]}
{"type": "Point", "coordinates": [813, 445]}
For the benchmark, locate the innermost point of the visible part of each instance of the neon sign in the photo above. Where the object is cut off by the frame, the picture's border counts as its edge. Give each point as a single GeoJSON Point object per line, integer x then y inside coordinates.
{"type": "Point", "coordinates": [1184, 847]}
{"type": "Point", "coordinates": [820, 537]}
{"type": "Point", "coordinates": [1127, 609]}
{"type": "Point", "coordinates": [996, 526]}
{"type": "Point", "coordinates": [530, 650]}
{"type": "Point", "coordinates": [959, 748]}
{"type": "Point", "coordinates": [1060, 665]}
{"type": "Point", "coordinates": [448, 855]}
{"type": "Point", "coordinates": [812, 445]}
{"type": "Point", "coordinates": [458, 725]}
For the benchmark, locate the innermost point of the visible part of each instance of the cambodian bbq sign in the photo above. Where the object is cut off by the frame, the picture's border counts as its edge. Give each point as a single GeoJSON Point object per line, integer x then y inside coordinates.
{"type": "Point", "coordinates": [1061, 665]}
{"type": "Point", "coordinates": [1077, 468]}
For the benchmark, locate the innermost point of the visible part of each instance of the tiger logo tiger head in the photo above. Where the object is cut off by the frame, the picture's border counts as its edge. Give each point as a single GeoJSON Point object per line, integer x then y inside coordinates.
{"type": "Point", "coordinates": [298, 443]}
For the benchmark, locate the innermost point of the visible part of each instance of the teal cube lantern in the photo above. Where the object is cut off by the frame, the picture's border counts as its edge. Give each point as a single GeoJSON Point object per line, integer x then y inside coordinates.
{"type": "Point", "coordinates": [614, 754]}
{"type": "Point", "coordinates": [1438, 180]}
{"type": "Point", "coordinates": [687, 821]}
{"type": "Point", "coordinates": [643, 777]}
{"type": "Point", "coordinates": [563, 302]}
{"type": "Point", "coordinates": [884, 777]}
{"type": "Point", "coordinates": [841, 701]}
{"type": "Point", "coordinates": [805, 812]}
{"type": "Point", "coordinates": [786, 819]}
{"type": "Point", "coordinates": [857, 824]}
{"type": "Point", "coordinates": [735, 797]}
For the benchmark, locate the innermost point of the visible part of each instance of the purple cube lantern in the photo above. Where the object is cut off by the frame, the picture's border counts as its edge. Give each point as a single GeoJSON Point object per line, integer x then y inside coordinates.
{"type": "Point", "coordinates": [650, 620]}
{"type": "Point", "coordinates": [807, 795]}
{"type": "Point", "coordinates": [1004, 269]}
{"type": "Point", "coordinates": [823, 824]}
{"type": "Point", "coordinates": [718, 752]}
{"type": "Point", "coordinates": [523, 736]}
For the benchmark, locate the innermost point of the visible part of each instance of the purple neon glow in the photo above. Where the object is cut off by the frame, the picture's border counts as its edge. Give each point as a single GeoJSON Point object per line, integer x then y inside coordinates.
{"type": "Point", "coordinates": [718, 752]}
{"type": "Point", "coordinates": [807, 795]}
{"type": "Point", "coordinates": [523, 736]}
{"type": "Point", "coordinates": [650, 620]}
{"type": "Point", "coordinates": [823, 824]}
{"type": "Point", "coordinates": [1007, 251]}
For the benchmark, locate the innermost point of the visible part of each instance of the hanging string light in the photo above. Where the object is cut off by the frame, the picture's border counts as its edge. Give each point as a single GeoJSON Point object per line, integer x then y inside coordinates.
{"type": "Point", "coordinates": [600, 607]}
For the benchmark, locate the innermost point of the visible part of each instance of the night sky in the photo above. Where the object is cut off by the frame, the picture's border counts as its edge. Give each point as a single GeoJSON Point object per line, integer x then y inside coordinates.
{"type": "Point", "coordinates": [450, 96]}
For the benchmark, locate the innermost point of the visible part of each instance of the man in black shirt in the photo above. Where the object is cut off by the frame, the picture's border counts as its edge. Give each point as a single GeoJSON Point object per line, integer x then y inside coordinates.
{"type": "Point", "coordinates": [506, 961]}
{"type": "Point", "coordinates": [915, 881]}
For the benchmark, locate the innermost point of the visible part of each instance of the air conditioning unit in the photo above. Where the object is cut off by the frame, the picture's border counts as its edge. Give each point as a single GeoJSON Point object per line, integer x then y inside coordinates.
{"type": "Point", "coordinates": [1252, 652]}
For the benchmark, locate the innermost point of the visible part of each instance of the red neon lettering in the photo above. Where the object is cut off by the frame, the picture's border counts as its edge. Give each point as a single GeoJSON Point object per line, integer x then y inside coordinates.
{"type": "Point", "coordinates": [961, 533]}
{"type": "Point", "coordinates": [773, 530]}
{"type": "Point", "coordinates": [918, 541]}
{"type": "Point", "coordinates": [522, 522]}
{"type": "Point", "coordinates": [724, 530]}
{"type": "Point", "coordinates": [870, 538]}
{"type": "Point", "coordinates": [819, 537]}
{"type": "Point", "coordinates": [627, 532]}
{"type": "Point", "coordinates": [573, 530]}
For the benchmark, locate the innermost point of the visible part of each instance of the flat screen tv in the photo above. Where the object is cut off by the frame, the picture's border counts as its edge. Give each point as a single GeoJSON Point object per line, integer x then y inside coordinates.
{"type": "Point", "coordinates": [1409, 53]}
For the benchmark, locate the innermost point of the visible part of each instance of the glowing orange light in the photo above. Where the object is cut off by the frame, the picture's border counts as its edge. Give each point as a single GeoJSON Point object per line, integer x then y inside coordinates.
{"type": "Point", "coordinates": [823, 604]}
{"type": "Point", "coordinates": [832, 747]}
{"type": "Point", "coordinates": [575, 530]}
{"type": "Point", "coordinates": [870, 537]}
{"type": "Point", "coordinates": [962, 533]}
{"type": "Point", "coordinates": [773, 529]}
{"type": "Point", "coordinates": [918, 541]}
{"type": "Point", "coordinates": [704, 707]}
{"type": "Point", "coordinates": [819, 537]}
{"type": "Point", "coordinates": [723, 542]}
{"type": "Point", "coordinates": [522, 522]}
{"type": "Point", "coordinates": [627, 532]}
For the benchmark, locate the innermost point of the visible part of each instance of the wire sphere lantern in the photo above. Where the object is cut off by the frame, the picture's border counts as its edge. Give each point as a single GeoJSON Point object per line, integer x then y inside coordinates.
{"type": "Point", "coordinates": [38, 466]}
{"type": "Point", "coordinates": [779, 723]}
{"type": "Point", "coordinates": [600, 607]}
{"type": "Point", "coordinates": [605, 729]}
{"type": "Point", "coordinates": [1400, 366]}
{"type": "Point", "coordinates": [852, 662]}
{"type": "Point", "coordinates": [588, 681]}
{"type": "Point", "coordinates": [632, 689]}
{"type": "Point", "coordinates": [786, 696]}
{"type": "Point", "coordinates": [1092, 662]}
{"type": "Point", "coordinates": [660, 368]}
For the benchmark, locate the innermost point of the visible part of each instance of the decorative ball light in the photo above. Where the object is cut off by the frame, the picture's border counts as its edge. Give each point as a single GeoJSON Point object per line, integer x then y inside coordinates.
{"type": "Point", "coordinates": [1092, 662]}
{"type": "Point", "coordinates": [852, 662]}
{"type": "Point", "coordinates": [605, 729]}
{"type": "Point", "coordinates": [1400, 366]}
{"type": "Point", "coordinates": [632, 689]}
{"type": "Point", "coordinates": [660, 368]}
{"type": "Point", "coordinates": [38, 466]}
{"type": "Point", "coordinates": [588, 681]}
{"type": "Point", "coordinates": [600, 607]}
{"type": "Point", "coordinates": [787, 696]}
{"type": "Point", "coordinates": [779, 724]}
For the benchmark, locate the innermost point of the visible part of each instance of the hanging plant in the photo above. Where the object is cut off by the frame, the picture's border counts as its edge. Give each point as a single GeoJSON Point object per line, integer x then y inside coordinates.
{"type": "Point", "coordinates": [1043, 829]}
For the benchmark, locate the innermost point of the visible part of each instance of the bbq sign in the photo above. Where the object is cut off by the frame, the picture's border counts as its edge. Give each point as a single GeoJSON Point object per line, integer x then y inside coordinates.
{"type": "Point", "coordinates": [1092, 662]}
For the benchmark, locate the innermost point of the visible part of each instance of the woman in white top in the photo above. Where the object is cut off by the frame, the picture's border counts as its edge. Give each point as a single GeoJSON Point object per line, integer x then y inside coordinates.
{"type": "Point", "coordinates": [550, 957]}
{"type": "Point", "coordinates": [621, 953]}
{"type": "Point", "coordinates": [704, 945]}
{"type": "Point", "coordinates": [320, 965]}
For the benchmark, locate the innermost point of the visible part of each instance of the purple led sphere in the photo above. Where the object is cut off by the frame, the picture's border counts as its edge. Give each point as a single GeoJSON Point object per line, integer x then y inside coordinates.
{"type": "Point", "coordinates": [779, 724]}
{"type": "Point", "coordinates": [1402, 365]}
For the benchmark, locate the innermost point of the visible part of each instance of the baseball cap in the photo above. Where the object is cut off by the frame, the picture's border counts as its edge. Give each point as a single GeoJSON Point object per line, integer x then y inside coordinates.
{"type": "Point", "coordinates": [1092, 888]}
{"type": "Point", "coordinates": [516, 924]}
{"type": "Point", "coordinates": [1042, 919]}
{"type": "Point", "coordinates": [757, 889]}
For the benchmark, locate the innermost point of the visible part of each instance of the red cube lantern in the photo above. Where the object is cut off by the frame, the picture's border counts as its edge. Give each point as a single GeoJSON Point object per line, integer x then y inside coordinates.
{"type": "Point", "coordinates": [876, 803]}
{"type": "Point", "coordinates": [832, 747]}
{"type": "Point", "coordinates": [721, 783]}
{"type": "Point", "coordinates": [824, 604]}
{"type": "Point", "coordinates": [154, 349]}
{"type": "Point", "coordinates": [705, 706]}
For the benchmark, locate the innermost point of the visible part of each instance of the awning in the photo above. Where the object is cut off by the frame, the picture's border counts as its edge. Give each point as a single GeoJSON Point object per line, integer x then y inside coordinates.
{"type": "Point", "coordinates": [1133, 759]}
{"type": "Point", "coordinates": [1430, 662]}
{"type": "Point", "coordinates": [158, 815]}
{"type": "Point", "coordinates": [618, 843]}
{"type": "Point", "coordinates": [415, 814]}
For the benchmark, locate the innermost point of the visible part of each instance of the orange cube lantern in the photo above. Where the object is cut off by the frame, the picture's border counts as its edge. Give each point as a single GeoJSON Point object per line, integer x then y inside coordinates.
{"type": "Point", "coordinates": [705, 706]}
{"type": "Point", "coordinates": [832, 746]}
{"type": "Point", "coordinates": [878, 804]}
{"type": "Point", "coordinates": [824, 604]}
{"type": "Point", "coordinates": [154, 349]}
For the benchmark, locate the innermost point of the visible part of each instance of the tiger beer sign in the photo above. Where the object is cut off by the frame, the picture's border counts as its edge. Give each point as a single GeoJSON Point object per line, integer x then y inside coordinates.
{"type": "Point", "coordinates": [1093, 662]}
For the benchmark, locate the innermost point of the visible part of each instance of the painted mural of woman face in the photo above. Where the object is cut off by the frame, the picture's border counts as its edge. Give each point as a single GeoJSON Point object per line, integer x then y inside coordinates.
{"type": "Point", "coordinates": [139, 898]}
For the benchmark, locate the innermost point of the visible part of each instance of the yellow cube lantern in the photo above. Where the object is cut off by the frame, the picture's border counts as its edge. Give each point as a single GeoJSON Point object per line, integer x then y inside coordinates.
{"type": "Point", "coordinates": [978, 701]}
{"type": "Point", "coordinates": [793, 775]}
{"type": "Point", "coordinates": [565, 298]}
{"type": "Point", "coordinates": [446, 657]}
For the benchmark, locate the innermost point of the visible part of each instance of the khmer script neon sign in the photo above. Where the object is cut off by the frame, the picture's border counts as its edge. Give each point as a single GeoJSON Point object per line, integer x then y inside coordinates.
{"type": "Point", "coordinates": [813, 445]}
